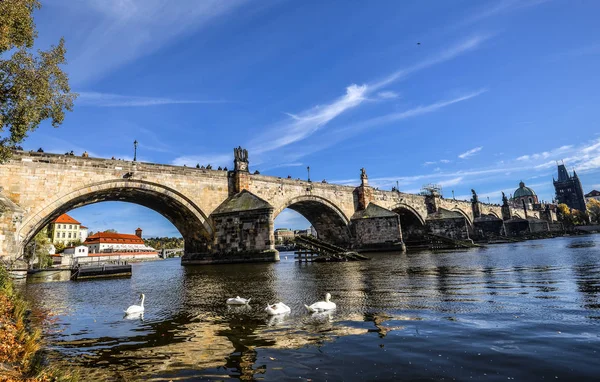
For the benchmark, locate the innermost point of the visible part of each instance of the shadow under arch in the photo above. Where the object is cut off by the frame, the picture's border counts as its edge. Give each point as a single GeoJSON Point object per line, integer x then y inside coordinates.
{"type": "Point", "coordinates": [187, 217]}
{"type": "Point", "coordinates": [329, 221]}
{"type": "Point", "coordinates": [411, 222]}
{"type": "Point", "coordinates": [465, 215]}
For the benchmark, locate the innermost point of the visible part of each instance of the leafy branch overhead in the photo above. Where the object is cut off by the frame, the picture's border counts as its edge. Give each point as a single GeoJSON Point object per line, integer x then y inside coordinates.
{"type": "Point", "coordinates": [33, 87]}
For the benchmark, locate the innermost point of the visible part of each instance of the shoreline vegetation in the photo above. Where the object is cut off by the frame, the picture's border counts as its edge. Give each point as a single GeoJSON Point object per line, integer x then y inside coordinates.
{"type": "Point", "coordinates": [21, 350]}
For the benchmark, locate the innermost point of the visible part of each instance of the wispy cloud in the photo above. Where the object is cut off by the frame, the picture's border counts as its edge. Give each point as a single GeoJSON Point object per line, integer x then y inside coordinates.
{"type": "Point", "coordinates": [419, 110]}
{"type": "Point", "coordinates": [545, 154]}
{"type": "Point", "coordinates": [215, 160]}
{"type": "Point", "coordinates": [499, 7]}
{"type": "Point", "coordinates": [470, 153]}
{"type": "Point", "coordinates": [451, 182]}
{"type": "Point", "coordinates": [302, 125]}
{"type": "Point", "coordinates": [388, 94]}
{"type": "Point", "coordinates": [117, 100]}
{"type": "Point", "coordinates": [308, 122]}
{"type": "Point", "coordinates": [120, 31]}
{"type": "Point", "coordinates": [445, 55]}
{"type": "Point", "coordinates": [340, 134]}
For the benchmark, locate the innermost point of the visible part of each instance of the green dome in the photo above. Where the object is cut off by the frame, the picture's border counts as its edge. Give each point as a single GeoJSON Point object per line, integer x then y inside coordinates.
{"type": "Point", "coordinates": [523, 191]}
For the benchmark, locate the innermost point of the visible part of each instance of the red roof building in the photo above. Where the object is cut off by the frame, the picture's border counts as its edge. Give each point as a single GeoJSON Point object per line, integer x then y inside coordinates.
{"type": "Point", "coordinates": [64, 218]}
{"type": "Point", "coordinates": [106, 242]}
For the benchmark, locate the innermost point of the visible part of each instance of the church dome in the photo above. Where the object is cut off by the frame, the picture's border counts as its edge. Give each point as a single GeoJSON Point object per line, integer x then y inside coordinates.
{"type": "Point", "coordinates": [523, 191]}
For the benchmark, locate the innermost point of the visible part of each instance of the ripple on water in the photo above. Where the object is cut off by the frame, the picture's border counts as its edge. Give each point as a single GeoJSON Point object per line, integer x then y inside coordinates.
{"type": "Point", "coordinates": [523, 310]}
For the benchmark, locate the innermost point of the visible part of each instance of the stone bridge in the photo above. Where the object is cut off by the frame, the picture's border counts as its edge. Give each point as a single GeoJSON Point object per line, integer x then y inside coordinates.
{"type": "Point", "coordinates": [227, 216]}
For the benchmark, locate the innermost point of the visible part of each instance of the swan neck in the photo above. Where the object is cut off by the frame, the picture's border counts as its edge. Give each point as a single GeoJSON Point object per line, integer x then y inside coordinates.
{"type": "Point", "coordinates": [142, 303]}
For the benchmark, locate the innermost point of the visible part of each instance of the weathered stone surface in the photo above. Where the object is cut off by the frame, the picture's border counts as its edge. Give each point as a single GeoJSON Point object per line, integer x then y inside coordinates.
{"type": "Point", "coordinates": [448, 223]}
{"type": "Point", "coordinates": [487, 226]}
{"type": "Point", "coordinates": [376, 228]}
{"type": "Point", "coordinates": [43, 186]}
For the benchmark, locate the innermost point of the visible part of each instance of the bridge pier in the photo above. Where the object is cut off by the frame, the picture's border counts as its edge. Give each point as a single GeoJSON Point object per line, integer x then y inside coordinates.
{"type": "Point", "coordinates": [376, 229]}
{"type": "Point", "coordinates": [243, 233]}
{"type": "Point", "coordinates": [11, 217]}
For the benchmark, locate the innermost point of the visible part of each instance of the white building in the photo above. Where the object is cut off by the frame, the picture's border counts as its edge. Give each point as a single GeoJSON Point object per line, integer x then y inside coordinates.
{"type": "Point", "coordinates": [79, 251]}
{"type": "Point", "coordinates": [108, 242]}
{"type": "Point", "coordinates": [83, 233]}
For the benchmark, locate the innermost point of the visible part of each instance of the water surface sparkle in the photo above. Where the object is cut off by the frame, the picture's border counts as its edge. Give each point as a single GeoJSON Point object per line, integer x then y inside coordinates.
{"type": "Point", "coordinates": [528, 311]}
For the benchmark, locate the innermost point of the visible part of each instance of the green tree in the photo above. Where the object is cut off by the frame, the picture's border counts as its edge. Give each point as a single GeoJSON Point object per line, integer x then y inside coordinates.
{"type": "Point", "coordinates": [59, 247]}
{"type": "Point", "coordinates": [33, 87]}
{"type": "Point", "coordinates": [110, 230]}
{"type": "Point", "coordinates": [38, 251]}
{"type": "Point", "coordinates": [593, 208]}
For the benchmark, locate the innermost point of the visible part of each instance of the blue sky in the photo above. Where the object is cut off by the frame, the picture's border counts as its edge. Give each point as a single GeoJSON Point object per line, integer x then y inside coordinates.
{"type": "Point", "coordinates": [467, 94]}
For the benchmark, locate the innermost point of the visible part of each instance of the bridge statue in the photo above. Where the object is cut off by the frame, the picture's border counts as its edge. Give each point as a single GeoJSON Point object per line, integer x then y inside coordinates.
{"type": "Point", "coordinates": [504, 199]}
{"type": "Point", "coordinates": [223, 216]}
{"type": "Point", "coordinates": [475, 199]}
{"type": "Point", "coordinates": [363, 173]}
{"type": "Point", "coordinates": [240, 154]}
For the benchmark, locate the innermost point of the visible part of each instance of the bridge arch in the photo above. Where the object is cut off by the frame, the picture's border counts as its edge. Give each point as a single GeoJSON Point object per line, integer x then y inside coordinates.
{"type": "Point", "coordinates": [412, 222]}
{"type": "Point", "coordinates": [185, 215]}
{"type": "Point", "coordinates": [464, 214]}
{"type": "Point", "coordinates": [329, 220]}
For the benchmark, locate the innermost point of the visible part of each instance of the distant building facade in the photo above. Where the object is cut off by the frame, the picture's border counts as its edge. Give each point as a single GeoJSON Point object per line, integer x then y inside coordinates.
{"type": "Point", "coordinates": [283, 235]}
{"type": "Point", "coordinates": [108, 242]}
{"type": "Point", "coordinates": [64, 229]}
{"type": "Point", "coordinates": [594, 194]}
{"type": "Point", "coordinates": [524, 196]}
{"type": "Point", "coordinates": [83, 233]}
{"type": "Point", "coordinates": [568, 189]}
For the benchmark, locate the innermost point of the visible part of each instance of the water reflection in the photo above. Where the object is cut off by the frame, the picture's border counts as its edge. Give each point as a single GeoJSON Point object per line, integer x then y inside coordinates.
{"type": "Point", "coordinates": [518, 300]}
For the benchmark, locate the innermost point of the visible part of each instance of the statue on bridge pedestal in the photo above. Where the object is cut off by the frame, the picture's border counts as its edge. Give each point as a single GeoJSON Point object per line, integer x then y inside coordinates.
{"type": "Point", "coordinates": [474, 199]}
{"type": "Point", "coordinates": [240, 159]}
{"type": "Point", "coordinates": [240, 154]}
{"type": "Point", "coordinates": [504, 199]}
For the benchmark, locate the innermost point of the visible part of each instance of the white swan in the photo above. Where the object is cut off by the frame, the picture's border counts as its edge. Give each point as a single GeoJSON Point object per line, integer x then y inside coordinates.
{"type": "Point", "coordinates": [277, 308]}
{"type": "Point", "coordinates": [238, 301]}
{"type": "Point", "coordinates": [136, 309]}
{"type": "Point", "coordinates": [321, 305]}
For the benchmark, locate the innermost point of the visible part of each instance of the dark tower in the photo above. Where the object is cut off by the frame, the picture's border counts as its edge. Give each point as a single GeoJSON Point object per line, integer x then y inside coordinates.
{"type": "Point", "coordinates": [568, 189]}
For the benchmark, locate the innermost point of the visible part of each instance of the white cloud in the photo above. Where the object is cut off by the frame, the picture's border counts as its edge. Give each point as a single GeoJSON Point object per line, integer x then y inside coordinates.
{"type": "Point", "coordinates": [387, 94]}
{"type": "Point", "coordinates": [429, 163]}
{"type": "Point", "coordinates": [115, 32]}
{"type": "Point", "coordinates": [445, 161]}
{"type": "Point", "coordinates": [545, 154]}
{"type": "Point", "coordinates": [308, 122]}
{"type": "Point", "coordinates": [470, 153]}
{"type": "Point", "coordinates": [116, 100]}
{"type": "Point", "coordinates": [451, 182]}
{"type": "Point", "coordinates": [214, 160]}
{"type": "Point", "coordinates": [448, 54]}
{"type": "Point", "coordinates": [304, 124]}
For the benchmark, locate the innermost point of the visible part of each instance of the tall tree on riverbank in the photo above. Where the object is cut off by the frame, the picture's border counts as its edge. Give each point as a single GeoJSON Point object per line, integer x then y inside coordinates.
{"type": "Point", "coordinates": [33, 87]}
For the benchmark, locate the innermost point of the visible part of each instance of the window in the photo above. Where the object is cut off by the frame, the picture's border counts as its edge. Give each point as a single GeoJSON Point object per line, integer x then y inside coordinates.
{"type": "Point", "coordinates": [69, 235]}
{"type": "Point", "coordinates": [63, 235]}
{"type": "Point", "coordinates": [70, 226]}
{"type": "Point", "coordinates": [59, 226]}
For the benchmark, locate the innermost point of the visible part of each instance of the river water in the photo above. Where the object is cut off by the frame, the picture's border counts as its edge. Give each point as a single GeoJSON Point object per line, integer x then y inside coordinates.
{"type": "Point", "coordinates": [526, 311]}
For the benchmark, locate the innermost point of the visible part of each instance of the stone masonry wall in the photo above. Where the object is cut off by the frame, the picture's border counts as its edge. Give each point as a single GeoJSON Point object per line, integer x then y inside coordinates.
{"type": "Point", "coordinates": [376, 232]}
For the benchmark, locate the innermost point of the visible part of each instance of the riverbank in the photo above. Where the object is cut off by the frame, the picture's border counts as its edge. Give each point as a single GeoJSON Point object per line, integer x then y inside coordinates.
{"type": "Point", "coordinates": [20, 341]}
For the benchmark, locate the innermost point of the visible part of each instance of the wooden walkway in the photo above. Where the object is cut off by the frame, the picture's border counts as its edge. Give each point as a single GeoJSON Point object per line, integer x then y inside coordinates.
{"type": "Point", "coordinates": [311, 249]}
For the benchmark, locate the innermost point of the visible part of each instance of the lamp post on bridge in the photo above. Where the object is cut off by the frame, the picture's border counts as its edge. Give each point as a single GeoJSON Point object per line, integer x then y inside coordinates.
{"type": "Point", "coordinates": [135, 143]}
{"type": "Point", "coordinates": [308, 169]}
